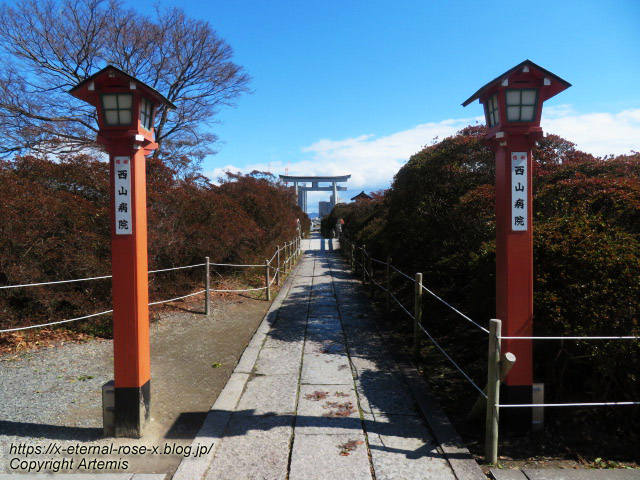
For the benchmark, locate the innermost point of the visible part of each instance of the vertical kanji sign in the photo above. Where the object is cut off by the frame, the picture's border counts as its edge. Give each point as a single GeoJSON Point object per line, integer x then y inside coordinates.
{"type": "Point", "coordinates": [519, 191]}
{"type": "Point", "coordinates": [122, 195]}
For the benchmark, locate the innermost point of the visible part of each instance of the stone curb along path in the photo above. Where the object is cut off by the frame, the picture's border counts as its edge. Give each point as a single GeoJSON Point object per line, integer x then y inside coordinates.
{"type": "Point", "coordinates": [317, 395]}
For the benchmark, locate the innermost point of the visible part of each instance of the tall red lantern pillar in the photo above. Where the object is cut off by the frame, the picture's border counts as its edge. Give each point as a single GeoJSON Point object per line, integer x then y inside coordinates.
{"type": "Point", "coordinates": [126, 109]}
{"type": "Point", "coordinates": [513, 107]}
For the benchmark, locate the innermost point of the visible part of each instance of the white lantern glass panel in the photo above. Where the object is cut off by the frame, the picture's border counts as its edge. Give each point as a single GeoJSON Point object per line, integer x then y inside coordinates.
{"type": "Point", "coordinates": [110, 101]}
{"type": "Point", "coordinates": [513, 114]}
{"type": "Point", "coordinates": [125, 100]}
{"type": "Point", "coordinates": [513, 97]}
{"type": "Point", "coordinates": [528, 97]}
{"type": "Point", "coordinates": [125, 117]}
{"type": "Point", "coordinates": [117, 109]}
{"type": "Point", "coordinates": [526, 115]}
{"type": "Point", "coordinates": [111, 117]}
{"type": "Point", "coordinates": [146, 114]}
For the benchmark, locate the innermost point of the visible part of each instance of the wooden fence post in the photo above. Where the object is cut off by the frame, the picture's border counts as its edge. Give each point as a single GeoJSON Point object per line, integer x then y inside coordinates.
{"type": "Point", "coordinates": [267, 280]}
{"type": "Point", "coordinates": [353, 258]}
{"type": "Point", "coordinates": [387, 309]}
{"type": "Point", "coordinates": [207, 284]}
{"type": "Point", "coordinates": [371, 284]}
{"type": "Point", "coordinates": [493, 394]}
{"type": "Point", "coordinates": [417, 313]}
{"type": "Point", "coordinates": [364, 265]}
{"type": "Point", "coordinates": [278, 271]}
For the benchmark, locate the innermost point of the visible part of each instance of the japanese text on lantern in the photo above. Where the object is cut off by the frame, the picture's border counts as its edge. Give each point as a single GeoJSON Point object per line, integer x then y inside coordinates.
{"type": "Point", "coordinates": [122, 195]}
{"type": "Point", "coordinates": [519, 191]}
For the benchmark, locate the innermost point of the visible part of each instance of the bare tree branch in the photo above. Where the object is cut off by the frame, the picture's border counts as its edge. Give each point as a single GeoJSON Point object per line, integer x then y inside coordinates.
{"type": "Point", "coordinates": [49, 46]}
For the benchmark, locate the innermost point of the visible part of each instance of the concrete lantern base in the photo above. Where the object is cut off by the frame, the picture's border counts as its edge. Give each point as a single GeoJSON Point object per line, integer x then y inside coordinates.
{"type": "Point", "coordinates": [132, 410]}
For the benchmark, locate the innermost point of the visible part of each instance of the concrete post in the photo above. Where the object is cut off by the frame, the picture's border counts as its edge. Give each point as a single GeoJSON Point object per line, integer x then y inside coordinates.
{"type": "Point", "coordinates": [353, 257]}
{"type": "Point", "coordinates": [267, 280]}
{"type": "Point", "coordinates": [417, 313]}
{"type": "Point", "coordinates": [387, 309]}
{"type": "Point", "coordinates": [371, 284]}
{"type": "Point", "coordinates": [207, 284]}
{"type": "Point", "coordinates": [278, 271]}
{"type": "Point", "coordinates": [493, 393]}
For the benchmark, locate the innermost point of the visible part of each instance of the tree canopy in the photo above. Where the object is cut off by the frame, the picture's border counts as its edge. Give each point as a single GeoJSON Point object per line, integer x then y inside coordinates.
{"type": "Point", "coordinates": [47, 47]}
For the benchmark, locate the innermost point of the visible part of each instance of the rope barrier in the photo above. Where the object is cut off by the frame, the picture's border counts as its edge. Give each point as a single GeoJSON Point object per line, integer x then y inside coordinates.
{"type": "Point", "coordinates": [402, 273]}
{"type": "Point", "coordinates": [378, 261]}
{"type": "Point", "coordinates": [177, 298]}
{"type": "Point", "coordinates": [274, 256]}
{"type": "Point", "coordinates": [401, 306]}
{"type": "Point", "coordinates": [239, 290]}
{"type": "Point", "coordinates": [456, 310]}
{"type": "Point", "coordinates": [178, 268]}
{"type": "Point", "coordinates": [233, 265]}
{"type": "Point", "coordinates": [597, 404]}
{"type": "Point", "coordinates": [378, 285]}
{"type": "Point", "coordinates": [53, 283]}
{"type": "Point", "coordinates": [571, 338]}
{"type": "Point", "coordinates": [150, 304]}
{"type": "Point", "coordinates": [453, 362]}
{"type": "Point", "coordinates": [55, 323]}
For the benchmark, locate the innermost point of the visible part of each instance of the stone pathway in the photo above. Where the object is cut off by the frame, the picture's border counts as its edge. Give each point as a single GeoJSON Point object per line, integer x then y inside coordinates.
{"type": "Point", "coordinates": [317, 395]}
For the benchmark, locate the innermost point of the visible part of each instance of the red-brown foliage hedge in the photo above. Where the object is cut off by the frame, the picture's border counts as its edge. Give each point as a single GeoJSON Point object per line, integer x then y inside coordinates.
{"type": "Point", "coordinates": [54, 225]}
{"type": "Point", "coordinates": [438, 218]}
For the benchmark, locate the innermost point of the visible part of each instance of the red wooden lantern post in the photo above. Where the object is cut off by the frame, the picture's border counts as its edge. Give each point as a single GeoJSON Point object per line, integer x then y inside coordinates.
{"type": "Point", "coordinates": [126, 108]}
{"type": "Point", "coordinates": [513, 107]}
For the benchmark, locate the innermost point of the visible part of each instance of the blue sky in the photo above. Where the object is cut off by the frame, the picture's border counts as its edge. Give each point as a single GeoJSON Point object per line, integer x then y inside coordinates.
{"type": "Point", "coordinates": [358, 86]}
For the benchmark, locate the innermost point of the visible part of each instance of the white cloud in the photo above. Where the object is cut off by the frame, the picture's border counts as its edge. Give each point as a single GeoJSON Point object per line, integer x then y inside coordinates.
{"type": "Point", "coordinates": [597, 133]}
{"type": "Point", "coordinates": [373, 161]}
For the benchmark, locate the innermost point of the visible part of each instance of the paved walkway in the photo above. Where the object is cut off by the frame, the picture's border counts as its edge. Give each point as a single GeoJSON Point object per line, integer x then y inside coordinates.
{"type": "Point", "coordinates": [318, 396]}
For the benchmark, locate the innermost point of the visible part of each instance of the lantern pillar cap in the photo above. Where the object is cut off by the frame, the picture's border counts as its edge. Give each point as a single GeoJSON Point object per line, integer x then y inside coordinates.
{"type": "Point", "coordinates": [89, 89]}
{"type": "Point", "coordinates": [551, 83]}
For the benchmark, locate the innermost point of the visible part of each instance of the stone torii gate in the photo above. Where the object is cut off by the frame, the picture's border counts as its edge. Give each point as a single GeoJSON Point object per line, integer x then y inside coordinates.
{"type": "Point", "coordinates": [301, 191]}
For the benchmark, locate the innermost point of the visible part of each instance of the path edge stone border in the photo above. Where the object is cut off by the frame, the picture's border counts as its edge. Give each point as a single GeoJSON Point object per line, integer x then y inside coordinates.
{"type": "Point", "coordinates": [215, 423]}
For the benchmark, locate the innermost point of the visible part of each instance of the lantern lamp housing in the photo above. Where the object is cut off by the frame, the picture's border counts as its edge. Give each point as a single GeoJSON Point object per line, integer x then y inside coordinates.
{"type": "Point", "coordinates": [513, 101]}
{"type": "Point", "coordinates": [126, 106]}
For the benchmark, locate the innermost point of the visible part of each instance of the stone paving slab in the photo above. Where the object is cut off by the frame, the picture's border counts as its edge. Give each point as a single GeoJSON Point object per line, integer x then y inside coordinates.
{"type": "Point", "coordinates": [328, 369]}
{"type": "Point", "coordinates": [322, 457]}
{"type": "Point", "coordinates": [327, 409]}
{"type": "Point", "coordinates": [384, 392]}
{"type": "Point", "coordinates": [284, 360]}
{"type": "Point", "coordinates": [274, 394]}
{"type": "Point", "coordinates": [559, 474]}
{"type": "Point", "coordinates": [322, 342]}
{"type": "Point", "coordinates": [253, 448]}
{"type": "Point", "coordinates": [507, 474]}
{"type": "Point", "coordinates": [402, 448]}
{"type": "Point", "coordinates": [83, 476]}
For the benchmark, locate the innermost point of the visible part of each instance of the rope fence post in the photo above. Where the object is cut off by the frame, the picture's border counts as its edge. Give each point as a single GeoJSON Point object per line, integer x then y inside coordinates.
{"type": "Point", "coordinates": [353, 257]}
{"type": "Point", "coordinates": [207, 286]}
{"type": "Point", "coordinates": [266, 279]}
{"type": "Point", "coordinates": [371, 284]}
{"type": "Point", "coordinates": [278, 270]}
{"type": "Point", "coordinates": [417, 314]}
{"type": "Point", "coordinates": [364, 265]}
{"type": "Point", "coordinates": [387, 309]}
{"type": "Point", "coordinates": [286, 257]}
{"type": "Point", "coordinates": [493, 394]}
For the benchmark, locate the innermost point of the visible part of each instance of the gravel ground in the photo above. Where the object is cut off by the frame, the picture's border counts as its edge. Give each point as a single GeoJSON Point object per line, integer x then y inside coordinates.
{"type": "Point", "coordinates": [53, 396]}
